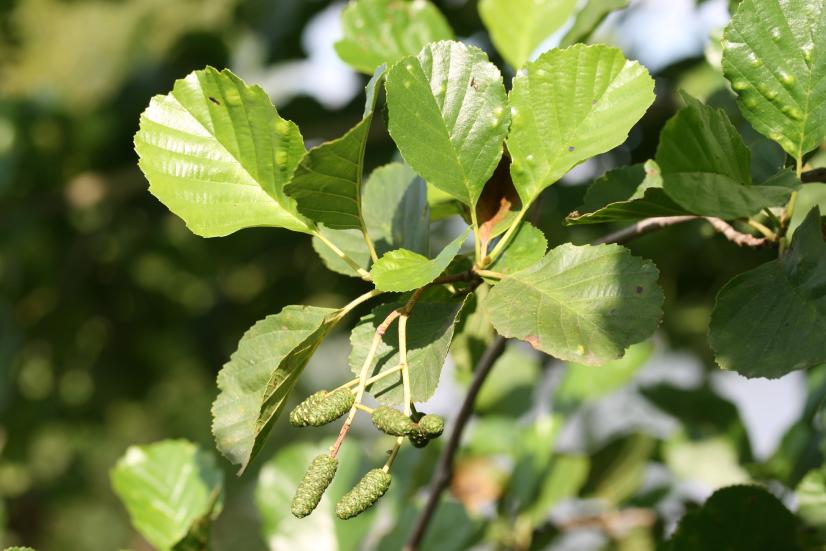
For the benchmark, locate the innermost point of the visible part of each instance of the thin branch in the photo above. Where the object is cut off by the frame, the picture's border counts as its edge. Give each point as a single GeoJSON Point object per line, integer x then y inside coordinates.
{"type": "Point", "coordinates": [814, 175]}
{"type": "Point", "coordinates": [736, 237]}
{"type": "Point", "coordinates": [444, 470]}
{"type": "Point", "coordinates": [641, 228]}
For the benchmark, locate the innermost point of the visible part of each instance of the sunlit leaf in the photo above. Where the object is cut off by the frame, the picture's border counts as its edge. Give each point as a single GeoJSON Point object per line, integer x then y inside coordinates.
{"type": "Point", "coordinates": [589, 18]}
{"type": "Point", "coordinates": [217, 154]}
{"type": "Point", "coordinates": [168, 487]}
{"type": "Point", "coordinates": [771, 320]}
{"type": "Point", "coordinates": [429, 331]}
{"type": "Point", "coordinates": [384, 31]}
{"type": "Point", "coordinates": [518, 27]}
{"type": "Point", "coordinates": [527, 247]}
{"type": "Point", "coordinates": [774, 56]}
{"type": "Point", "coordinates": [448, 115]}
{"type": "Point", "coordinates": [568, 106]}
{"type": "Point", "coordinates": [584, 304]}
{"type": "Point", "coordinates": [255, 383]}
{"type": "Point", "coordinates": [402, 270]}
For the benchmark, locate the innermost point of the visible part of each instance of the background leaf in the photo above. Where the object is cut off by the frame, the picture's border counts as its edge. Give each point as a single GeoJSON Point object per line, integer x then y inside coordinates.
{"type": "Point", "coordinates": [274, 492]}
{"type": "Point", "coordinates": [518, 27]}
{"type": "Point", "coordinates": [384, 31]}
{"type": "Point", "coordinates": [584, 304]}
{"type": "Point", "coordinates": [589, 18]}
{"type": "Point", "coordinates": [447, 111]}
{"type": "Point", "coordinates": [327, 183]}
{"type": "Point", "coordinates": [429, 331]}
{"type": "Point", "coordinates": [774, 54]}
{"type": "Point", "coordinates": [261, 373]}
{"type": "Point", "coordinates": [770, 321]}
{"type": "Point", "coordinates": [166, 487]}
{"type": "Point", "coordinates": [217, 154]}
{"type": "Point", "coordinates": [568, 106]}
{"type": "Point", "coordinates": [402, 270]}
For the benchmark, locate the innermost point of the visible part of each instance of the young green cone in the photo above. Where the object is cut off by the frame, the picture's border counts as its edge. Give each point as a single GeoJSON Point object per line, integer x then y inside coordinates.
{"type": "Point", "coordinates": [432, 425]}
{"type": "Point", "coordinates": [392, 421]}
{"type": "Point", "coordinates": [309, 491]}
{"type": "Point", "coordinates": [322, 408]}
{"type": "Point", "coordinates": [368, 490]}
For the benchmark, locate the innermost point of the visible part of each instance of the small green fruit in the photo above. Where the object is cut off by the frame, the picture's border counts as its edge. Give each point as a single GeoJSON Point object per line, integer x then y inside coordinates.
{"type": "Point", "coordinates": [309, 491]}
{"type": "Point", "coordinates": [392, 421]}
{"type": "Point", "coordinates": [432, 425]}
{"type": "Point", "coordinates": [368, 490]}
{"type": "Point", "coordinates": [322, 408]}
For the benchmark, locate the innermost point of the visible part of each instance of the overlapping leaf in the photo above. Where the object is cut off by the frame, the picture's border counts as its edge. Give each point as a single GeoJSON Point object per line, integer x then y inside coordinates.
{"type": "Point", "coordinates": [402, 270]}
{"type": "Point", "coordinates": [217, 154]}
{"type": "Point", "coordinates": [448, 115]}
{"type": "Point", "coordinates": [774, 54]}
{"type": "Point", "coordinates": [568, 106]}
{"type": "Point", "coordinates": [384, 31]}
{"type": "Point", "coordinates": [518, 27]}
{"type": "Point", "coordinates": [255, 383]}
{"type": "Point", "coordinates": [589, 18]}
{"type": "Point", "coordinates": [526, 248]}
{"type": "Point", "coordinates": [327, 183]}
{"type": "Point", "coordinates": [171, 489]}
{"type": "Point", "coordinates": [429, 331]}
{"type": "Point", "coordinates": [585, 304]}
{"type": "Point", "coordinates": [771, 320]}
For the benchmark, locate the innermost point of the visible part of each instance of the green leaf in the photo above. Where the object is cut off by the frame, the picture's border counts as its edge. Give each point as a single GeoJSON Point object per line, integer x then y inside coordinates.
{"type": "Point", "coordinates": [261, 373]}
{"type": "Point", "coordinates": [395, 213]}
{"type": "Point", "coordinates": [565, 476]}
{"type": "Point", "coordinates": [626, 193]}
{"type": "Point", "coordinates": [511, 383]}
{"type": "Point", "coordinates": [618, 469]}
{"type": "Point", "coordinates": [589, 18]}
{"type": "Point", "coordinates": [584, 304]}
{"type": "Point", "coordinates": [568, 106]}
{"type": "Point", "coordinates": [771, 320]}
{"type": "Point", "coordinates": [773, 54]}
{"type": "Point", "coordinates": [395, 209]}
{"type": "Point", "coordinates": [706, 167]}
{"type": "Point", "coordinates": [327, 183]}
{"type": "Point", "coordinates": [473, 334]}
{"type": "Point", "coordinates": [429, 331]}
{"type": "Point", "coordinates": [276, 486]}
{"type": "Point", "coordinates": [737, 518]}
{"type": "Point", "coordinates": [384, 31]}
{"type": "Point", "coordinates": [402, 270]}
{"type": "Point", "coordinates": [811, 502]}
{"type": "Point", "coordinates": [167, 487]}
{"type": "Point", "coordinates": [527, 247]}
{"type": "Point", "coordinates": [518, 27]}
{"type": "Point", "coordinates": [217, 154]}
{"type": "Point", "coordinates": [448, 115]}
{"type": "Point", "coordinates": [811, 195]}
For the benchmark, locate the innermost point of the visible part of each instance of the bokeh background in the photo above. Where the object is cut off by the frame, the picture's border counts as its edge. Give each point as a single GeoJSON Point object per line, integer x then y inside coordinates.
{"type": "Point", "coordinates": [114, 319]}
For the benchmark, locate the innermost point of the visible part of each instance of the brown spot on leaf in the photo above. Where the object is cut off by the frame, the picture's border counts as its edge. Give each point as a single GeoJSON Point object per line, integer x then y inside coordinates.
{"type": "Point", "coordinates": [532, 340]}
{"type": "Point", "coordinates": [639, 289]}
{"type": "Point", "coordinates": [215, 101]}
{"type": "Point", "coordinates": [499, 198]}
{"type": "Point", "coordinates": [571, 148]}
{"type": "Point", "coordinates": [473, 84]}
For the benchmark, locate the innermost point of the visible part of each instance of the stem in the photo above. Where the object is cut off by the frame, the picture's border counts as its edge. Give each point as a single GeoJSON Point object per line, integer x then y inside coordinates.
{"type": "Point", "coordinates": [364, 408]}
{"type": "Point", "coordinates": [338, 252]}
{"type": "Point", "coordinates": [477, 244]}
{"type": "Point", "coordinates": [503, 241]}
{"type": "Point", "coordinates": [359, 300]}
{"type": "Point", "coordinates": [772, 216]}
{"type": "Point", "coordinates": [370, 245]}
{"type": "Point", "coordinates": [489, 273]}
{"type": "Point", "coordinates": [767, 233]}
{"type": "Point", "coordinates": [365, 368]}
{"type": "Point", "coordinates": [372, 379]}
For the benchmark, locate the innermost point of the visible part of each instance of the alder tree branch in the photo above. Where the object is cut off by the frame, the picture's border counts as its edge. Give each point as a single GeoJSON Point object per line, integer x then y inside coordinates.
{"type": "Point", "coordinates": [444, 469]}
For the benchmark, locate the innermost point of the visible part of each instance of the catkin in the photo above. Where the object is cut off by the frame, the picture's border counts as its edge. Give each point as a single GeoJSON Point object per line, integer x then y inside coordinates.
{"type": "Point", "coordinates": [309, 491]}
{"type": "Point", "coordinates": [392, 421]}
{"type": "Point", "coordinates": [432, 425]}
{"type": "Point", "coordinates": [368, 490]}
{"type": "Point", "coordinates": [418, 437]}
{"type": "Point", "coordinates": [322, 408]}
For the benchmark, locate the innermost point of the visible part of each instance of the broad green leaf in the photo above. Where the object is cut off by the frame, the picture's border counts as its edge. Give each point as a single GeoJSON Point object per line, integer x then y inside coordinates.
{"type": "Point", "coordinates": [274, 492]}
{"type": "Point", "coordinates": [402, 270]}
{"type": "Point", "coordinates": [217, 154]}
{"type": "Point", "coordinates": [255, 383]}
{"type": "Point", "coordinates": [395, 209]}
{"type": "Point", "coordinates": [527, 247]}
{"type": "Point", "coordinates": [626, 193]}
{"type": "Point", "coordinates": [327, 183]}
{"type": "Point", "coordinates": [429, 331]}
{"type": "Point", "coordinates": [771, 320]}
{"type": "Point", "coordinates": [774, 54]}
{"type": "Point", "coordinates": [167, 487]}
{"type": "Point", "coordinates": [811, 195]}
{"type": "Point", "coordinates": [518, 27]}
{"type": "Point", "coordinates": [568, 106]}
{"type": "Point", "coordinates": [448, 115]}
{"type": "Point", "coordinates": [585, 304]}
{"type": "Point", "coordinates": [589, 18]}
{"type": "Point", "coordinates": [737, 518]}
{"type": "Point", "coordinates": [395, 213]}
{"type": "Point", "coordinates": [706, 167]}
{"type": "Point", "coordinates": [384, 31]}
{"type": "Point", "coordinates": [473, 334]}
{"type": "Point", "coordinates": [581, 383]}
{"type": "Point", "coordinates": [811, 502]}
